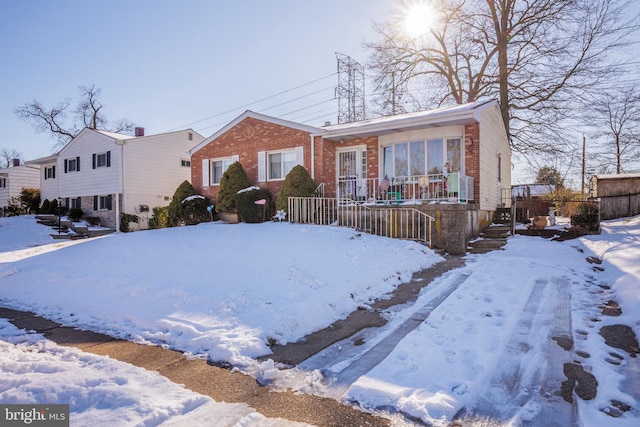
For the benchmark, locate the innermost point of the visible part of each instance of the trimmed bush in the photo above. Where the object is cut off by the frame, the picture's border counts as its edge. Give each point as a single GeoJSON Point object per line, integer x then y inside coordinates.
{"type": "Point", "coordinates": [46, 207]}
{"type": "Point", "coordinates": [75, 214]}
{"type": "Point", "coordinates": [194, 210]}
{"type": "Point", "coordinates": [160, 218]}
{"type": "Point", "coordinates": [174, 213]}
{"type": "Point", "coordinates": [297, 183]}
{"type": "Point", "coordinates": [251, 212]}
{"type": "Point", "coordinates": [233, 180]}
{"type": "Point", "coordinates": [125, 220]}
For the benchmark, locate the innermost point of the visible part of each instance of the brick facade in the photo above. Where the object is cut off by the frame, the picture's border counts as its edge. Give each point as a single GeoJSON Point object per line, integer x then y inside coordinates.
{"type": "Point", "coordinates": [472, 154]}
{"type": "Point", "coordinates": [245, 140]}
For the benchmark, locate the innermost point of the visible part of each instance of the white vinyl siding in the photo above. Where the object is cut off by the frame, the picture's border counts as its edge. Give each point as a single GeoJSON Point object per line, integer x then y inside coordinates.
{"type": "Point", "coordinates": [148, 169]}
{"type": "Point", "coordinates": [14, 179]}
{"type": "Point", "coordinates": [494, 155]}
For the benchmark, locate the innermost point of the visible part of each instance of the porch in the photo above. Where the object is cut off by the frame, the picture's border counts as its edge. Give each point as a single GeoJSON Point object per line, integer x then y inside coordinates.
{"type": "Point", "coordinates": [447, 225]}
{"type": "Point", "coordinates": [415, 189]}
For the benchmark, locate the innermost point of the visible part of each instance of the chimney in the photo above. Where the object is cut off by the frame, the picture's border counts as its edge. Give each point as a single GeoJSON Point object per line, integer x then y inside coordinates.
{"type": "Point", "coordinates": [16, 162]}
{"type": "Point", "coordinates": [139, 131]}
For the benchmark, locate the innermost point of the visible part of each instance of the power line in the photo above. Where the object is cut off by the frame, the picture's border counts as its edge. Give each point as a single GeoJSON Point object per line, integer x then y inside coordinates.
{"type": "Point", "coordinates": [253, 102]}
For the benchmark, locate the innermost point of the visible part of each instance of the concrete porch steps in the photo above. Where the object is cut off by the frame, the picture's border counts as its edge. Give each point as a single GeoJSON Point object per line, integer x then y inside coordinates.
{"type": "Point", "coordinates": [491, 238]}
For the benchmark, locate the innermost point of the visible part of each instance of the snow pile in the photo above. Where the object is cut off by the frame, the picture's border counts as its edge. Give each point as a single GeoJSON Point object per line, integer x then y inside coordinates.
{"type": "Point", "coordinates": [216, 290]}
{"type": "Point", "coordinates": [102, 391]}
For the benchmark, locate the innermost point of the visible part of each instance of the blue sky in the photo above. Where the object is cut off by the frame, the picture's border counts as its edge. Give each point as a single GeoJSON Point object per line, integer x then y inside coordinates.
{"type": "Point", "coordinates": [169, 65]}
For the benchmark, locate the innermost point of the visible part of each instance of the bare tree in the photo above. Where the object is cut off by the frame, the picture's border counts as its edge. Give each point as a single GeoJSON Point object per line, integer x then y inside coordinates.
{"type": "Point", "coordinates": [617, 117]}
{"type": "Point", "coordinates": [536, 57]}
{"type": "Point", "coordinates": [87, 114]}
{"type": "Point", "coordinates": [7, 155]}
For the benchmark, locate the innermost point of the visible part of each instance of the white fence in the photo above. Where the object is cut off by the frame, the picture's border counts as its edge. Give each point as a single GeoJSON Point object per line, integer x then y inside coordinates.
{"type": "Point", "coordinates": [399, 222]}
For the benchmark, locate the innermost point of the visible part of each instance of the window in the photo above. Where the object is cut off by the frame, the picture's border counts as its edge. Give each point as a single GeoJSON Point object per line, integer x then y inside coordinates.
{"type": "Point", "coordinates": [416, 158]}
{"type": "Point", "coordinates": [102, 160]}
{"type": "Point", "coordinates": [218, 168]}
{"type": "Point", "coordinates": [280, 164]}
{"type": "Point", "coordinates": [435, 156]}
{"type": "Point", "coordinates": [212, 169]}
{"type": "Point", "coordinates": [454, 154]}
{"type": "Point", "coordinates": [190, 136]}
{"type": "Point", "coordinates": [3, 182]}
{"type": "Point", "coordinates": [75, 203]}
{"type": "Point", "coordinates": [275, 165]}
{"type": "Point", "coordinates": [72, 165]}
{"type": "Point", "coordinates": [185, 163]}
{"type": "Point", "coordinates": [102, 203]}
{"type": "Point", "coordinates": [50, 172]}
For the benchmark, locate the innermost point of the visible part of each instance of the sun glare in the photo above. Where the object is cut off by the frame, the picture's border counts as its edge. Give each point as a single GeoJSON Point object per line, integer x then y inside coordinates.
{"type": "Point", "coordinates": [418, 18]}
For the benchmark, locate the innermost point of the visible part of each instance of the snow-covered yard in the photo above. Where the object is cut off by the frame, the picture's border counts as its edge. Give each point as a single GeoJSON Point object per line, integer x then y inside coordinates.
{"type": "Point", "coordinates": [224, 291]}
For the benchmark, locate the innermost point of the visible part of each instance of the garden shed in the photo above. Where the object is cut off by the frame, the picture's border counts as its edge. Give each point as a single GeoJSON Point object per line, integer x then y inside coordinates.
{"type": "Point", "coordinates": [619, 194]}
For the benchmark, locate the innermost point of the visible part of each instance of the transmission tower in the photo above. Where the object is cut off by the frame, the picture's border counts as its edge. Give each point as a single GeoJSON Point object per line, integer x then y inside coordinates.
{"type": "Point", "coordinates": [350, 90]}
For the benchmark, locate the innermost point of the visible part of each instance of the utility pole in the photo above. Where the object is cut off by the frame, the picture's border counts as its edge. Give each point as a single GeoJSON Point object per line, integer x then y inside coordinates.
{"type": "Point", "coordinates": [584, 144]}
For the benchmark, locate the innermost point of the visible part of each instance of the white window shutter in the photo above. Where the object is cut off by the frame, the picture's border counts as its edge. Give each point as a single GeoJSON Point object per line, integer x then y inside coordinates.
{"type": "Point", "coordinates": [235, 158]}
{"type": "Point", "coordinates": [300, 156]}
{"type": "Point", "coordinates": [262, 166]}
{"type": "Point", "coordinates": [205, 172]}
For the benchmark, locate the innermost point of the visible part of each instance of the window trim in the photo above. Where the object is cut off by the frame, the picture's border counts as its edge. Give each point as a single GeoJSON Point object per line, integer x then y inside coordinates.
{"type": "Point", "coordinates": [264, 163]}
{"type": "Point", "coordinates": [75, 161]}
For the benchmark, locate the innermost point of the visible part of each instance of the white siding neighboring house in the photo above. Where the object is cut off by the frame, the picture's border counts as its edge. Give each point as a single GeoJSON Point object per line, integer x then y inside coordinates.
{"type": "Point", "coordinates": [106, 174]}
{"type": "Point", "coordinates": [14, 179]}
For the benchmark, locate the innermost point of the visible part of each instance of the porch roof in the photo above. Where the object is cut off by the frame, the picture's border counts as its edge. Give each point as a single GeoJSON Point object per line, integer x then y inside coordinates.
{"type": "Point", "coordinates": [446, 116]}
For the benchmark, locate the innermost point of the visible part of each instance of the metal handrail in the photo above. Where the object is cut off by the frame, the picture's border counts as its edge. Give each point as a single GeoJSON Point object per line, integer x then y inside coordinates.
{"type": "Point", "coordinates": [387, 221]}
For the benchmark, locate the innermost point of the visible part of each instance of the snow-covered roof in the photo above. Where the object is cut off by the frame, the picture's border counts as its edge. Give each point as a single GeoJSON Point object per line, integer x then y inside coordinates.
{"type": "Point", "coordinates": [115, 135]}
{"type": "Point", "coordinates": [446, 116]}
{"type": "Point", "coordinates": [617, 176]}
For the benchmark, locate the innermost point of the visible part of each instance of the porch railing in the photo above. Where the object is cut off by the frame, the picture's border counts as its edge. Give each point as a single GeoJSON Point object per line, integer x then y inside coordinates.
{"type": "Point", "coordinates": [432, 187]}
{"type": "Point", "coordinates": [396, 222]}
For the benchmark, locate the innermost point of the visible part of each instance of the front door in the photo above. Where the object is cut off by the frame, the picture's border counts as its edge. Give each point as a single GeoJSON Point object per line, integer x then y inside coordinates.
{"type": "Point", "coordinates": [351, 173]}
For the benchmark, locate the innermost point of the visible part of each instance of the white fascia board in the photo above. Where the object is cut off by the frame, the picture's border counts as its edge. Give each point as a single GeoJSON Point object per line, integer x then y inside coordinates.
{"type": "Point", "coordinates": [257, 116]}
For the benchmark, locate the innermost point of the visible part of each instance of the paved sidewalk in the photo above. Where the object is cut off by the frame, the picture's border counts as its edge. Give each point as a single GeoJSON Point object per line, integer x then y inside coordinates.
{"type": "Point", "coordinates": [197, 375]}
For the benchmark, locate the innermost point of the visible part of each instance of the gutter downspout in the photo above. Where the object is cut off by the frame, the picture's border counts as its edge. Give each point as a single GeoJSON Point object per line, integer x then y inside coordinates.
{"type": "Point", "coordinates": [313, 158]}
{"type": "Point", "coordinates": [121, 143]}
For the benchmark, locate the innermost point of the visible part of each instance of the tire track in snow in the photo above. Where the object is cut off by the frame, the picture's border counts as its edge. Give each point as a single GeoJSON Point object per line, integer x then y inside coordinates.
{"type": "Point", "coordinates": [349, 361]}
{"type": "Point", "coordinates": [526, 387]}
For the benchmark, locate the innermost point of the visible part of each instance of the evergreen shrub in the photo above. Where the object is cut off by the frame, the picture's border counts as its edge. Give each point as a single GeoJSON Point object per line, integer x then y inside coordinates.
{"type": "Point", "coordinates": [251, 212]}
{"type": "Point", "coordinates": [46, 207]}
{"type": "Point", "coordinates": [160, 218]}
{"type": "Point", "coordinates": [126, 219]}
{"type": "Point", "coordinates": [233, 180]}
{"type": "Point", "coordinates": [75, 214]}
{"type": "Point", "coordinates": [297, 183]}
